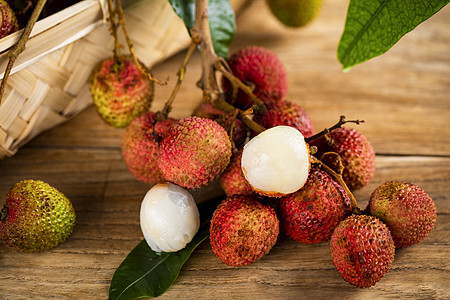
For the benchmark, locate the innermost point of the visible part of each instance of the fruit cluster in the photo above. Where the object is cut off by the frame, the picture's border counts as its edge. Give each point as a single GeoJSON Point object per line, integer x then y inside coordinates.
{"type": "Point", "coordinates": [280, 179]}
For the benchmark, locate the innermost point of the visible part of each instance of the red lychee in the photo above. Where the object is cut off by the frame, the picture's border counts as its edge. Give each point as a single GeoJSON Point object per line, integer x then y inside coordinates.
{"type": "Point", "coordinates": [287, 113]}
{"type": "Point", "coordinates": [260, 68]}
{"type": "Point", "coordinates": [362, 250]}
{"type": "Point", "coordinates": [8, 20]}
{"type": "Point", "coordinates": [140, 146]}
{"type": "Point", "coordinates": [120, 91]}
{"type": "Point", "coordinates": [194, 152]}
{"type": "Point", "coordinates": [406, 209]}
{"type": "Point", "coordinates": [243, 230]}
{"type": "Point", "coordinates": [232, 180]}
{"type": "Point", "coordinates": [311, 214]}
{"type": "Point", "coordinates": [356, 153]}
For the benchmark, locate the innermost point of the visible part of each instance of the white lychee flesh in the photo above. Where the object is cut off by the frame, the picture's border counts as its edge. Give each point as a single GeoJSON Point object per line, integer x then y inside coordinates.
{"type": "Point", "coordinates": [169, 217]}
{"type": "Point", "coordinates": [276, 161]}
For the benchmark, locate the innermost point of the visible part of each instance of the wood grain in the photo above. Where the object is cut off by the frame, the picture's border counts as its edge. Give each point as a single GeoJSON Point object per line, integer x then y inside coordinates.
{"type": "Point", "coordinates": [404, 97]}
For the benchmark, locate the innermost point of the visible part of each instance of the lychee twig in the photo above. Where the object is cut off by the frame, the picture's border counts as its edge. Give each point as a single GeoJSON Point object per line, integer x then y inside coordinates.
{"type": "Point", "coordinates": [19, 47]}
{"type": "Point", "coordinates": [339, 124]}
{"type": "Point", "coordinates": [113, 29]}
{"type": "Point", "coordinates": [340, 180]}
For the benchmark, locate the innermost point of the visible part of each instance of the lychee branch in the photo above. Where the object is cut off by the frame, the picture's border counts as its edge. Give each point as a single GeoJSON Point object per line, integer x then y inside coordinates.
{"type": "Point", "coordinates": [339, 124]}
{"type": "Point", "coordinates": [19, 47]}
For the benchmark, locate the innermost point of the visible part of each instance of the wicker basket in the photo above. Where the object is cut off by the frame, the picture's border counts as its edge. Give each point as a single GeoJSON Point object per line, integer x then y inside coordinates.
{"type": "Point", "coordinates": [48, 84]}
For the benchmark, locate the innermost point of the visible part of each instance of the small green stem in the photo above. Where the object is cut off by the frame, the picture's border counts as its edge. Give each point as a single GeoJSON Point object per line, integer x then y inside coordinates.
{"type": "Point", "coordinates": [19, 47]}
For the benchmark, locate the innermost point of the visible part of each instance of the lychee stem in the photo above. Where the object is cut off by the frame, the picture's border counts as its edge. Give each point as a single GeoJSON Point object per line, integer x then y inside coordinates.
{"type": "Point", "coordinates": [340, 180]}
{"type": "Point", "coordinates": [3, 213]}
{"type": "Point", "coordinates": [341, 122]}
{"type": "Point", "coordinates": [20, 45]}
{"type": "Point", "coordinates": [113, 29]}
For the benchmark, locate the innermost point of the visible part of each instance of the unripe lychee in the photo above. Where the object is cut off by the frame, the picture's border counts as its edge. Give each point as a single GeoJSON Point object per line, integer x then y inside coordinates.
{"type": "Point", "coordinates": [232, 179]}
{"type": "Point", "coordinates": [311, 214]}
{"type": "Point", "coordinates": [362, 250]}
{"type": "Point", "coordinates": [287, 113]}
{"type": "Point", "coordinates": [276, 161]}
{"type": "Point", "coordinates": [260, 68]}
{"type": "Point", "coordinates": [169, 217]}
{"type": "Point", "coordinates": [194, 152]}
{"type": "Point", "coordinates": [406, 209]}
{"type": "Point", "coordinates": [8, 20]}
{"type": "Point", "coordinates": [295, 13]}
{"type": "Point", "coordinates": [243, 230]}
{"type": "Point", "coordinates": [140, 146]}
{"type": "Point", "coordinates": [36, 217]}
{"type": "Point", "coordinates": [120, 91]}
{"type": "Point", "coordinates": [356, 153]}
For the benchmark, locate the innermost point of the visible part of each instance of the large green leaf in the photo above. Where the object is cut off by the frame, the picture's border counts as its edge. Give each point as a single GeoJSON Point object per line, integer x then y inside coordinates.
{"type": "Point", "coordinates": [372, 27]}
{"type": "Point", "coordinates": [221, 21]}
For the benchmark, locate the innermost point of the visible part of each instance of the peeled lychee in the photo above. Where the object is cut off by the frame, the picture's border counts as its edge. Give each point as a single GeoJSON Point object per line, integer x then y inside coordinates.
{"type": "Point", "coordinates": [36, 217]}
{"type": "Point", "coordinates": [140, 146]}
{"type": "Point", "coordinates": [406, 209]}
{"type": "Point", "coordinates": [8, 20]}
{"type": "Point", "coordinates": [295, 13]}
{"type": "Point", "coordinates": [260, 68]}
{"type": "Point", "coordinates": [194, 152]}
{"type": "Point", "coordinates": [232, 179]}
{"type": "Point", "coordinates": [287, 113]}
{"type": "Point", "coordinates": [362, 250]}
{"type": "Point", "coordinates": [311, 214]}
{"type": "Point", "coordinates": [243, 230]}
{"type": "Point", "coordinates": [356, 153]}
{"type": "Point", "coordinates": [120, 91]}
{"type": "Point", "coordinates": [169, 217]}
{"type": "Point", "coordinates": [276, 161]}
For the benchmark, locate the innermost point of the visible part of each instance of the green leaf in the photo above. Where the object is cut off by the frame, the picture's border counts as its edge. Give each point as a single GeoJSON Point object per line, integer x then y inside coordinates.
{"type": "Point", "coordinates": [221, 21]}
{"type": "Point", "coordinates": [372, 27]}
{"type": "Point", "coordinates": [145, 273]}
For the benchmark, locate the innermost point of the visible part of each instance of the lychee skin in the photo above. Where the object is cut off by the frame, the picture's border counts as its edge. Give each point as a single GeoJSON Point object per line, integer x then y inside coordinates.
{"type": "Point", "coordinates": [140, 146]}
{"type": "Point", "coordinates": [9, 22]}
{"type": "Point", "coordinates": [356, 152]}
{"type": "Point", "coordinates": [120, 91]}
{"type": "Point", "coordinates": [194, 152]}
{"type": "Point", "coordinates": [38, 217]}
{"type": "Point", "coordinates": [362, 250]}
{"type": "Point", "coordinates": [232, 180]}
{"type": "Point", "coordinates": [243, 230]}
{"type": "Point", "coordinates": [287, 113]}
{"type": "Point", "coordinates": [261, 68]}
{"type": "Point", "coordinates": [406, 209]}
{"type": "Point", "coordinates": [311, 214]}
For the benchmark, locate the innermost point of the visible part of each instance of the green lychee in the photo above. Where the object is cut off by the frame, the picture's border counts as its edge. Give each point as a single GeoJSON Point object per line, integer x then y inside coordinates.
{"type": "Point", "coordinates": [362, 250]}
{"type": "Point", "coordinates": [120, 91]}
{"type": "Point", "coordinates": [194, 152]}
{"type": "Point", "coordinates": [140, 146]}
{"type": "Point", "coordinates": [36, 217]}
{"type": "Point", "coordinates": [311, 214]}
{"type": "Point", "coordinates": [407, 210]}
{"type": "Point", "coordinates": [8, 20]}
{"type": "Point", "coordinates": [243, 230]}
{"type": "Point", "coordinates": [295, 13]}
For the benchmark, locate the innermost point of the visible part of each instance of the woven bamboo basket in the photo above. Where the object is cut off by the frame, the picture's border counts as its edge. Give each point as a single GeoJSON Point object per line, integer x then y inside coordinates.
{"type": "Point", "coordinates": [49, 82]}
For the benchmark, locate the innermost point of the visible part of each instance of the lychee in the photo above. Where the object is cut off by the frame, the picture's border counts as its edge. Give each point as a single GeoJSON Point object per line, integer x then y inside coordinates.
{"type": "Point", "coordinates": [120, 91]}
{"type": "Point", "coordinates": [362, 250]}
{"type": "Point", "coordinates": [311, 214]}
{"type": "Point", "coordinates": [356, 153]}
{"type": "Point", "coordinates": [140, 146]}
{"type": "Point", "coordinates": [36, 217]}
{"type": "Point", "coordinates": [295, 13]}
{"type": "Point", "coordinates": [261, 69]}
{"type": "Point", "coordinates": [243, 230]}
{"type": "Point", "coordinates": [232, 180]}
{"type": "Point", "coordinates": [406, 209]}
{"type": "Point", "coordinates": [287, 113]}
{"type": "Point", "coordinates": [276, 161]}
{"type": "Point", "coordinates": [8, 20]}
{"type": "Point", "coordinates": [194, 152]}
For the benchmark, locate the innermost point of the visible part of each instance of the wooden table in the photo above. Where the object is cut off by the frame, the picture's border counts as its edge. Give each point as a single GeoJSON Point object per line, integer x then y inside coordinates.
{"type": "Point", "coordinates": [404, 97]}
